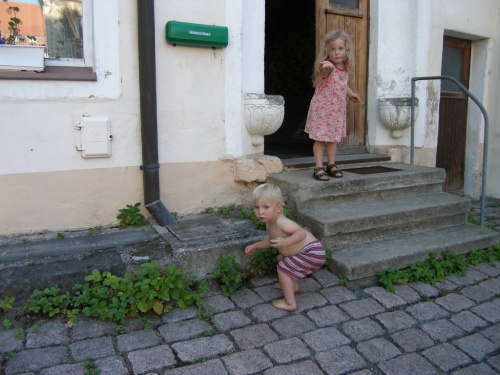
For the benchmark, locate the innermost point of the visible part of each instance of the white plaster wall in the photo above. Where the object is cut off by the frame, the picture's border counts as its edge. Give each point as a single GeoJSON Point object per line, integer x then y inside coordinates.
{"type": "Point", "coordinates": [45, 184]}
{"type": "Point", "coordinates": [406, 41]}
{"type": "Point", "coordinates": [393, 55]}
{"type": "Point", "coordinates": [491, 102]}
{"type": "Point", "coordinates": [38, 126]}
{"type": "Point", "coordinates": [190, 86]}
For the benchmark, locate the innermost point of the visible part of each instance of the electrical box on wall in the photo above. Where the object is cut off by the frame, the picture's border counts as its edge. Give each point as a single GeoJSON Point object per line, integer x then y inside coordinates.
{"type": "Point", "coordinates": [95, 137]}
{"type": "Point", "coordinates": [196, 35]}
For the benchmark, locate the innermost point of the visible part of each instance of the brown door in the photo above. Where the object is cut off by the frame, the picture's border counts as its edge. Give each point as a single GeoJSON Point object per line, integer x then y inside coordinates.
{"type": "Point", "coordinates": [453, 112]}
{"type": "Point", "coordinates": [351, 16]}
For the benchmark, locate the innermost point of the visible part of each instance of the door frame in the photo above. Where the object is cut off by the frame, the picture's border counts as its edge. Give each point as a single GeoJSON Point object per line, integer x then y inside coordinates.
{"type": "Point", "coordinates": [357, 131]}
{"type": "Point", "coordinates": [452, 132]}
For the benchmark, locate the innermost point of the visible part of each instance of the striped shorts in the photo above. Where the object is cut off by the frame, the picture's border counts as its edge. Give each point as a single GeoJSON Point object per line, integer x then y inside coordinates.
{"type": "Point", "coordinates": [310, 258]}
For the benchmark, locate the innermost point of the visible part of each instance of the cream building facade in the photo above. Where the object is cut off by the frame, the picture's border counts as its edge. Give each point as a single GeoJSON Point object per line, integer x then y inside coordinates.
{"type": "Point", "coordinates": [207, 99]}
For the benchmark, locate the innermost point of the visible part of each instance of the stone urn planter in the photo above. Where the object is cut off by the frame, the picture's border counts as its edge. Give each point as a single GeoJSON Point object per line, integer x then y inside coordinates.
{"type": "Point", "coordinates": [22, 57]}
{"type": "Point", "coordinates": [395, 113]}
{"type": "Point", "coordinates": [263, 115]}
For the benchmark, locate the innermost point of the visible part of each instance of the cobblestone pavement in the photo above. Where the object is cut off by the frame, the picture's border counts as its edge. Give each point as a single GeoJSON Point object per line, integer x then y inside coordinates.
{"type": "Point", "coordinates": [453, 328]}
{"type": "Point", "coordinates": [450, 328]}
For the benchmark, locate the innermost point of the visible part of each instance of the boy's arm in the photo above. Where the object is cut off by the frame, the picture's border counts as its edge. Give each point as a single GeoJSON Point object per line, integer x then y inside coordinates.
{"type": "Point", "coordinates": [294, 231]}
{"type": "Point", "coordinates": [264, 244]}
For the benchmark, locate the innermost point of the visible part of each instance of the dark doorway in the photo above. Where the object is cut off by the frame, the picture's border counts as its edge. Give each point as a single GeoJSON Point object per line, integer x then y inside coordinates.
{"type": "Point", "coordinates": [453, 112]}
{"type": "Point", "coordinates": [289, 58]}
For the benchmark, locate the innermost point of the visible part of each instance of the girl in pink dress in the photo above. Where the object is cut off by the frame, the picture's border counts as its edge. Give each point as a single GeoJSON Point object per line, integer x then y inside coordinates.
{"type": "Point", "coordinates": [326, 120]}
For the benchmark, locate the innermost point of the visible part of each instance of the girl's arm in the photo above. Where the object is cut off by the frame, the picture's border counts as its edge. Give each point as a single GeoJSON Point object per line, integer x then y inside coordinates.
{"type": "Point", "coordinates": [353, 97]}
{"type": "Point", "coordinates": [326, 68]}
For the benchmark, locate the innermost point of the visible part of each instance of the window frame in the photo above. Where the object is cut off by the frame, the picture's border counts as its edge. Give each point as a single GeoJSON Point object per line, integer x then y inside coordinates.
{"type": "Point", "coordinates": [67, 69]}
{"type": "Point", "coordinates": [88, 31]}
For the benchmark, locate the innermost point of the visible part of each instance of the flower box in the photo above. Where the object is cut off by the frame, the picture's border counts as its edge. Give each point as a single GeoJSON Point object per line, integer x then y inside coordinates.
{"type": "Point", "coordinates": [21, 57]}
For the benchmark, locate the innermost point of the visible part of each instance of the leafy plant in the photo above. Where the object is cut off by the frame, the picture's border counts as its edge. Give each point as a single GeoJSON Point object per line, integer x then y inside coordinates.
{"type": "Point", "coordinates": [6, 303]}
{"type": "Point", "coordinates": [228, 272]}
{"type": "Point", "coordinates": [94, 230]}
{"type": "Point", "coordinates": [472, 220]}
{"type": "Point", "coordinates": [251, 216]}
{"type": "Point", "coordinates": [264, 262]}
{"type": "Point", "coordinates": [60, 236]}
{"type": "Point", "coordinates": [6, 323]}
{"type": "Point", "coordinates": [328, 253]}
{"type": "Point", "coordinates": [49, 301]}
{"type": "Point", "coordinates": [90, 367]}
{"type": "Point", "coordinates": [32, 38]}
{"type": "Point", "coordinates": [110, 297]}
{"type": "Point", "coordinates": [13, 24]}
{"type": "Point", "coordinates": [131, 216]}
{"type": "Point", "coordinates": [225, 211]}
{"type": "Point", "coordinates": [435, 268]}
{"type": "Point", "coordinates": [19, 334]}
{"type": "Point", "coordinates": [488, 255]}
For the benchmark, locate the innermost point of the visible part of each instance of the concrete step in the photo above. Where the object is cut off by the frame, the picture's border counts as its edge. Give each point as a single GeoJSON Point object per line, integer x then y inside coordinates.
{"type": "Point", "coordinates": [301, 191]}
{"type": "Point", "coordinates": [360, 262]}
{"type": "Point", "coordinates": [352, 223]}
{"type": "Point", "coordinates": [341, 159]}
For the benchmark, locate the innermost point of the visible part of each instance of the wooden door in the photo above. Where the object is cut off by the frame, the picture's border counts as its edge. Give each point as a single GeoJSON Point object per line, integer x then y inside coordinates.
{"type": "Point", "coordinates": [351, 16]}
{"type": "Point", "coordinates": [453, 112]}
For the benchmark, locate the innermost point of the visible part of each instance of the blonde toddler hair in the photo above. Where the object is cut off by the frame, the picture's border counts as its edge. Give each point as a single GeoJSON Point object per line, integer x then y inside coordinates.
{"type": "Point", "coordinates": [268, 191]}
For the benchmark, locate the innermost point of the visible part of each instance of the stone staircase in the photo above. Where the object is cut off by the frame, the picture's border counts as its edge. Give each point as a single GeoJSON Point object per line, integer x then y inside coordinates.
{"type": "Point", "coordinates": [382, 215]}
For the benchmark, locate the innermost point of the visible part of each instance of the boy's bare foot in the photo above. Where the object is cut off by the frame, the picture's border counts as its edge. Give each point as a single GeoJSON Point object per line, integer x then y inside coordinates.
{"type": "Point", "coordinates": [278, 286]}
{"type": "Point", "coordinates": [283, 305]}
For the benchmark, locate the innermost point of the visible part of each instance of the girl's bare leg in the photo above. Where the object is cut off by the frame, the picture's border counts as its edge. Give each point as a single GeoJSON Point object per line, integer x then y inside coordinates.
{"type": "Point", "coordinates": [287, 285]}
{"type": "Point", "coordinates": [331, 152]}
{"type": "Point", "coordinates": [318, 150]}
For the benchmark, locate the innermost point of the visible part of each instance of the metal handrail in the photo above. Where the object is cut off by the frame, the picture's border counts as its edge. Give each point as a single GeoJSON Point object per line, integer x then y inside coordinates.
{"type": "Point", "coordinates": [486, 126]}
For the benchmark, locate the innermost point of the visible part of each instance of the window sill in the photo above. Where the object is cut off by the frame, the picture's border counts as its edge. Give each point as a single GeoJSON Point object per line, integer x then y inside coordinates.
{"type": "Point", "coordinates": [53, 73]}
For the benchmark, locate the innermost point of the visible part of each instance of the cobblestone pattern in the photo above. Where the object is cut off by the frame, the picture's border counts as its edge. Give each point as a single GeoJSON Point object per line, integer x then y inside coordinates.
{"type": "Point", "coordinates": [450, 328]}
{"type": "Point", "coordinates": [491, 212]}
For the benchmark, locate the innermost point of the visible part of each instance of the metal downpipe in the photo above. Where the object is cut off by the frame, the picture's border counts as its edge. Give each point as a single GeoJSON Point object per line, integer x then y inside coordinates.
{"type": "Point", "coordinates": [149, 125]}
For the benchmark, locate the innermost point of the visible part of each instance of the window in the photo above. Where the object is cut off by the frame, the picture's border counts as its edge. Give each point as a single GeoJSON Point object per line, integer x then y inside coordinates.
{"type": "Point", "coordinates": [64, 27]}
{"type": "Point", "coordinates": [346, 3]}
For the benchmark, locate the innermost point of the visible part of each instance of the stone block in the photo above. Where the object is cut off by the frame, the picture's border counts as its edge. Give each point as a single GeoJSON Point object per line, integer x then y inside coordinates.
{"type": "Point", "coordinates": [256, 169]}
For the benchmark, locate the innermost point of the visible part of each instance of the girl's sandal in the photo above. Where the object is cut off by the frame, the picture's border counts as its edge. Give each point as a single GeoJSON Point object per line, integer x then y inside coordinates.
{"type": "Point", "coordinates": [320, 174]}
{"type": "Point", "coordinates": [336, 173]}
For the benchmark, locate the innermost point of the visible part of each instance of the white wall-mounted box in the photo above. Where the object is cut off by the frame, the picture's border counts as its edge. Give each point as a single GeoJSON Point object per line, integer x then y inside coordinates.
{"type": "Point", "coordinates": [96, 137]}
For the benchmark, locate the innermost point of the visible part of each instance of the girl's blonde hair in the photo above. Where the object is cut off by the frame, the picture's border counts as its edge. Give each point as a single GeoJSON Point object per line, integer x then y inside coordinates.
{"type": "Point", "coordinates": [324, 48]}
{"type": "Point", "coordinates": [268, 191]}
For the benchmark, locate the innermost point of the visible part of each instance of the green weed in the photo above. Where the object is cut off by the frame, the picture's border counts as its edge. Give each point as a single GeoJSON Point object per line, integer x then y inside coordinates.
{"type": "Point", "coordinates": [264, 263]}
{"type": "Point", "coordinates": [93, 231]}
{"type": "Point", "coordinates": [435, 268]}
{"type": "Point", "coordinates": [131, 216]}
{"type": "Point", "coordinates": [343, 282]}
{"type": "Point", "coordinates": [6, 303]}
{"type": "Point", "coordinates": [90, 367]}
{"type": "Point", "coordinates": [229, 273]}
{"type": "Point", "coordinates": [110, 297]}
